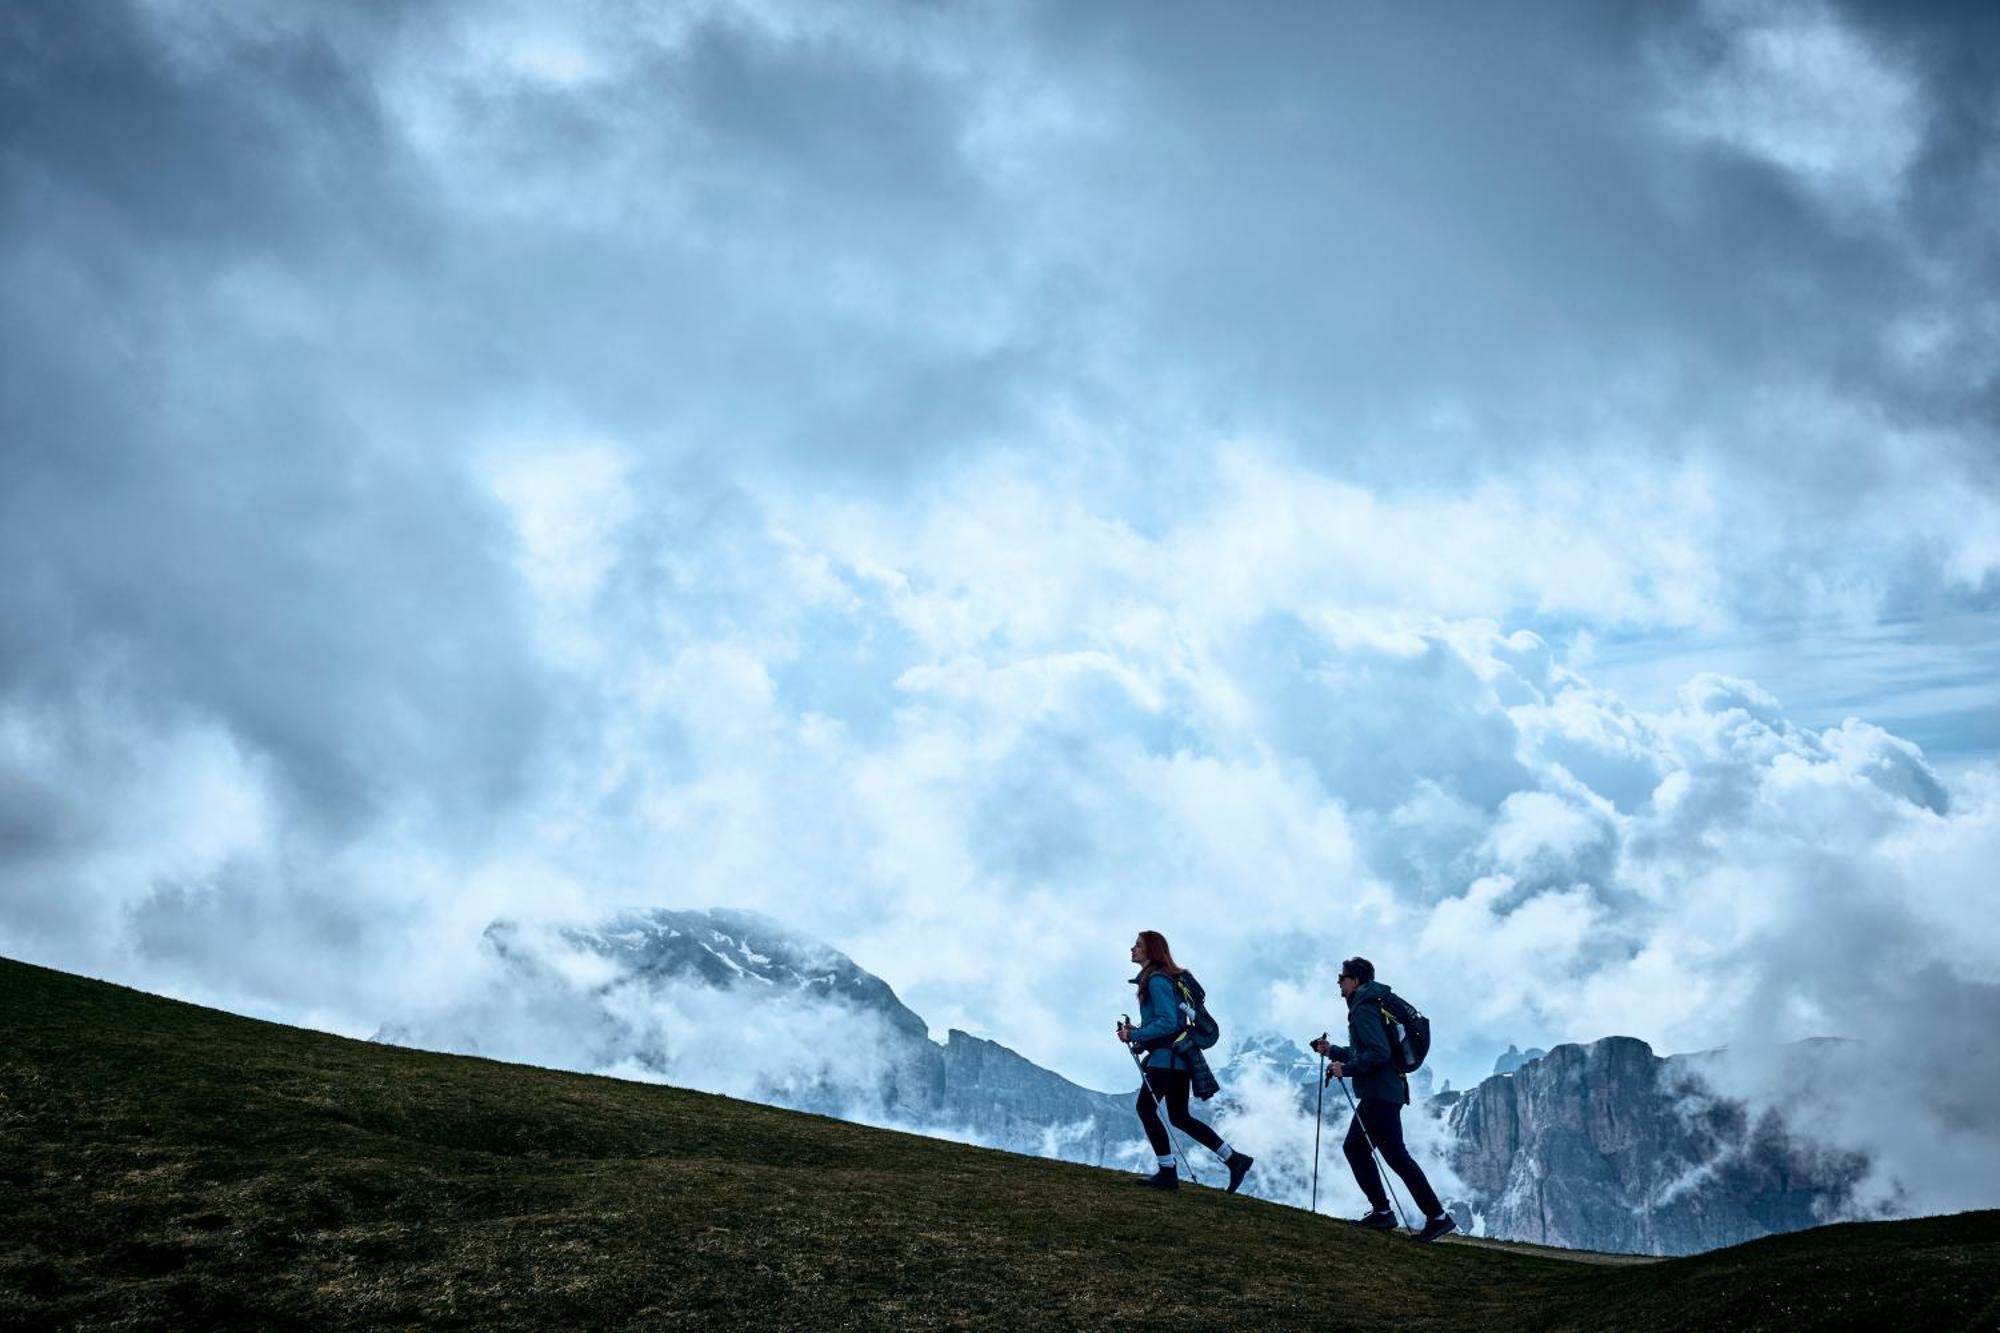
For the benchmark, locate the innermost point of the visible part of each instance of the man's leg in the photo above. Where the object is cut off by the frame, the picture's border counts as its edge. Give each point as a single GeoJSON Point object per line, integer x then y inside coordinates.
{"type": "Point", "coordinates": [1363, 1166]}
{"type": "Point", "coordinates": [1384, 1121]}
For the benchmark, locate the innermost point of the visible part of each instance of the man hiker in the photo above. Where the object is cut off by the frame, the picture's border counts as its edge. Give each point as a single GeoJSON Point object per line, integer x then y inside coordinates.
{"type": "Point", "coordinates": [1382, 1091]}
{"type": "Point", "coordinates": [1170, 1062]}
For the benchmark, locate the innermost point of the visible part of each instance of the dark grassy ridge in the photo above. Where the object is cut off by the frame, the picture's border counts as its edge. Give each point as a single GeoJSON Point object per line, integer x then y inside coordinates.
{"type": "Point", "coordinates": [166, 1166]}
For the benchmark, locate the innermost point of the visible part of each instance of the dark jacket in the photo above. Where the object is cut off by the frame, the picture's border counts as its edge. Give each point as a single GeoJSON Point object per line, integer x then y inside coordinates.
{"type": "Point", "coordinates": [1366, 1055]}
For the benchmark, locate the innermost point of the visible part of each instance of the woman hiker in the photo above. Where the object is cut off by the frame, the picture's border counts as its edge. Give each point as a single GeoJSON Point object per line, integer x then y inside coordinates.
{"type": "Point", "coordinates": [1167, 1067]}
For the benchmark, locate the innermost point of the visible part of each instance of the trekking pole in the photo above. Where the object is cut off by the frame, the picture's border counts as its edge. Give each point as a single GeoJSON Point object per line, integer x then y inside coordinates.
{"type": "Point", "coordinates": [1159, 1103]}
{"type": "Point", "coordinates": [1380, 1166]}
{"type": "Point", "coordinates": [1319, 1116]}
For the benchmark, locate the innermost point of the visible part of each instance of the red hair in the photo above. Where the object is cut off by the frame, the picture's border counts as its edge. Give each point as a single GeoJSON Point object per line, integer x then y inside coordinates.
{"type": "Point", "coordinates": [1159, 958]}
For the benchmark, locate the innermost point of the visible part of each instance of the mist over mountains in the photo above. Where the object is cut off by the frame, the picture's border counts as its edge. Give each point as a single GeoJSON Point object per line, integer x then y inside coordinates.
{"type": "Point", "coordinates": [733, 1002]}
{"type": "Point", "coordinates": [1605, 1146]}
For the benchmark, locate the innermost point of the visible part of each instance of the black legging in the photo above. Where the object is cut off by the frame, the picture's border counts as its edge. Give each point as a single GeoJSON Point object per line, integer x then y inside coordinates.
{"type": "Point", "coordinates": [1384, 1123]}
{"type": "Point", "coordinates": [1172, 1084]}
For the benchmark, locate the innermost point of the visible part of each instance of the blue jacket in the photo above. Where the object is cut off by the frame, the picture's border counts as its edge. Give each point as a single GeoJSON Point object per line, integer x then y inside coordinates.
{"type": "Point", "coordinates": [1159, 1020]}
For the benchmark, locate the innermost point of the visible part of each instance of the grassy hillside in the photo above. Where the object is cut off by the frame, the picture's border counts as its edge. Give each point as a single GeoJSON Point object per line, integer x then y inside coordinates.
{"type": "Point", "coordinates": [167, 1166]}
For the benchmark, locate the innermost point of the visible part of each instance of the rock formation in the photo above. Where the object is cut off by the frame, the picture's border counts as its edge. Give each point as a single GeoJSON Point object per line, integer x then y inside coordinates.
{"type": "Point", "coordinates": [1610, 1147]}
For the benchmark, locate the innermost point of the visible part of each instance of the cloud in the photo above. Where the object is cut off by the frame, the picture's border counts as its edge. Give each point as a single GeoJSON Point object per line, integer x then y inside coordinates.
{"type": "Point", "coordinates": [1793, 86]}
{"type": "Point", "coordinates": [1276, 786]}
{"type": "Point", "coordinates": [976, 486]}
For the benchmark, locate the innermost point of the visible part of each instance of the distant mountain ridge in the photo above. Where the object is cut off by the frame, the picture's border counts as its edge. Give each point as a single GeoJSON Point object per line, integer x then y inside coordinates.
{"type": "Point", "coordinates": [875, 1063]}
{"type": "Point", "coordinates": [1282, 1056]}
{"type": "Point", "coordinates": [723, 948]}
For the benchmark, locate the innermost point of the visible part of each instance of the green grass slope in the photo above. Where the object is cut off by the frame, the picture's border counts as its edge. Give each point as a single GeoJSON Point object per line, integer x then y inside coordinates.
{"type": "Point", "coordinates": [166, 1166]}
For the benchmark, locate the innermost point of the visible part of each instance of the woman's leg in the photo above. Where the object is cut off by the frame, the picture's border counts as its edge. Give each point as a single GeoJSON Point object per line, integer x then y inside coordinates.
{"type": "Point", "coordinates": [1149, 1116]}
{"type": "Point", "coordinates": [1176, 1090]}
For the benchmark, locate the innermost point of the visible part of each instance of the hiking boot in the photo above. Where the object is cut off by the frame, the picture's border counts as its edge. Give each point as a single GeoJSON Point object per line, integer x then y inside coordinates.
{"type": "Point", "coordinates": [1435, 1227]}
{"type": "Point", "coordinates": [1160, 1180]}
{"type": "Point", "coordinates": [1379, 1220]}
{"type": "Point", "coordinates": [1239, 1167]}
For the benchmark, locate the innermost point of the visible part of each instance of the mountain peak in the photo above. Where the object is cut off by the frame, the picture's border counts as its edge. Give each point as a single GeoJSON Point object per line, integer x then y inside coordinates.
{"type": "Point", "coordinates": [1514, 1057]}
{"type": "Point", "coordinates": [727, 948]}
{"type": "Point", "coordinates": [1278, 1053]}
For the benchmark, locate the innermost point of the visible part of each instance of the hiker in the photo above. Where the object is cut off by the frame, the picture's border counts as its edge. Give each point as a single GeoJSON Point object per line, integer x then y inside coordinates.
{"type": "Point", "coordinates": [1382, 1091]}
{"type": "Point", "coordinates": [1170, 1063]}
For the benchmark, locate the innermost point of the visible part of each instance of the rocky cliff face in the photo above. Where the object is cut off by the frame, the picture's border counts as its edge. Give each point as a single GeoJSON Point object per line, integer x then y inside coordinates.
{"type": "Point", "coordinates": [1610, 1147]}
{"type": "Point", "coordinates": [1011, 1102]}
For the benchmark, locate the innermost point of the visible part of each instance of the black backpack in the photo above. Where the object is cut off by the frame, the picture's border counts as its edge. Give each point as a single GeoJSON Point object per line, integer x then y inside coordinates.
{"type": "Point", "coordinates": [1197, 1024]}
{"type": "Point", "coordinates": [1409, 1033]}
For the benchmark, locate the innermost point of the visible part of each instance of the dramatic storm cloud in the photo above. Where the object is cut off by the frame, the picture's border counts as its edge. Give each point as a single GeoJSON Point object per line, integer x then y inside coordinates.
{"type": "Point", "coordinates": [1511, 492]}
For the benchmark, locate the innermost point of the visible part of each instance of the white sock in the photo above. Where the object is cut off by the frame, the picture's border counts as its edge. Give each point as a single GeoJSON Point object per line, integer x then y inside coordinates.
{"type": "Point", "coordinates": [1224, 1151]}
{"type": "Point", "coordinates": [1166, 1163]}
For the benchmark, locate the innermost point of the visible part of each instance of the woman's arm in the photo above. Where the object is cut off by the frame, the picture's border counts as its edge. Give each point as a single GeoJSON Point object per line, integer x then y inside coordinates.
{"type": "Point", "coordinates": [1159, 1016]}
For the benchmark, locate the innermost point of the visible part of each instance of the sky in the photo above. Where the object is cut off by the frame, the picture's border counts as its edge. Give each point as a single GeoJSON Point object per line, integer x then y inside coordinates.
{"type": "Point", "coordinates": [1511, 492]}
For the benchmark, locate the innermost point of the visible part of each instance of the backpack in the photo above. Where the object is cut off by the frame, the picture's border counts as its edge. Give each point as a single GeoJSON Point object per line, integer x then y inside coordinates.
{"type": "Point", "coordinates": [1196, 1022]}
{"type": "Point", "coordinates": [1409, 1033]}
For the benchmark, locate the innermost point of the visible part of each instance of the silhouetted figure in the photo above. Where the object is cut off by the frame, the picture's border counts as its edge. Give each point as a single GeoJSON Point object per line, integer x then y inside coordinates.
{"type": "Point", "coordinates": [1381, 1091]}
{"type": "Point", "coordinates": [1170, 1063]}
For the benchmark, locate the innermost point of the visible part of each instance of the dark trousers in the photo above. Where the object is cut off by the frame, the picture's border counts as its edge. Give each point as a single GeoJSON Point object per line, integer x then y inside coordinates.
{"type": "Point", "coordinates": [1172, 1086]}
{"type": "Point", "coordinates": [1384, 1123]}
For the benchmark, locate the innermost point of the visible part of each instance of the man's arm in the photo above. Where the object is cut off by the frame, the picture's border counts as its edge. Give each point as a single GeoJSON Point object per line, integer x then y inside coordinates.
{"type": "Point", "coordinates": [1329, 1050]}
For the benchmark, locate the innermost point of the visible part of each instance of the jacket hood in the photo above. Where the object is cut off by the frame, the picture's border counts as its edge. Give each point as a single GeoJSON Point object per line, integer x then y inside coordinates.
{"type": "Point", "coordinates": [1367, 990]}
